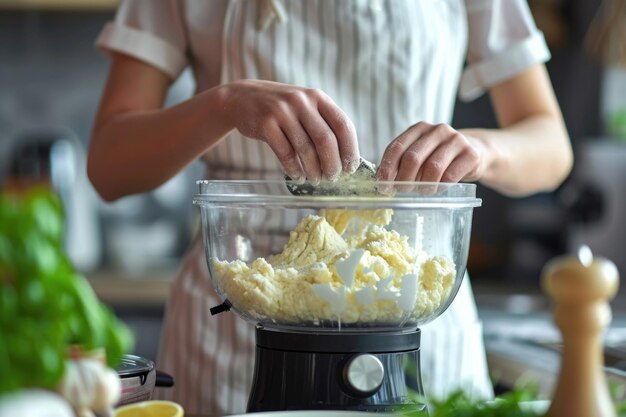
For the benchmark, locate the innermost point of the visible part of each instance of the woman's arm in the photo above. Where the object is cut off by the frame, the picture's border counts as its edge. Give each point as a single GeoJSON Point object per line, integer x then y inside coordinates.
{"type": "Point", "coordinates": [136, 145]}
{"type": "Point", "coordinates": [531, 151]}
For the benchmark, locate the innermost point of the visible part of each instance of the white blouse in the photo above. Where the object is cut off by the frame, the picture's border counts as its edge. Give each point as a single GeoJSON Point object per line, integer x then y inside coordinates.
{"type": "Point", "coordinates": [172, 34]}
{"type": "Point", "coordinates": [388, 64]}
{"type": "Point", "coordinates": [398, 60]}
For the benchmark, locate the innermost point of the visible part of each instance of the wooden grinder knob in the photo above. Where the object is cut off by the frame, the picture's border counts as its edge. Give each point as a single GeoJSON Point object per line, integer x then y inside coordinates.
{"type": "Point", "coordinates": [581, 287]}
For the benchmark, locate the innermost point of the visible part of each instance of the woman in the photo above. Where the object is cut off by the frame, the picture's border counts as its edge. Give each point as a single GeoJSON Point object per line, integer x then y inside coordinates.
{"type": "Point", "coordinates": [306, 87]}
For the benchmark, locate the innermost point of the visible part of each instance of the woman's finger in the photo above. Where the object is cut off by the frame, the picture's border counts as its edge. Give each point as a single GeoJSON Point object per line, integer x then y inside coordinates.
{"type": "Point", "coordinates": [418, 152]}
{"type": "Point", "coordinates": [391, 161]}
{"type": "Point", "coordinates": [455, 171]}
{"type": "Point", "coordinates": [286, 154]}
{"type": "Point", "coordinates": [343, 129]}
{"type": "Point", "coordinates": [437, 163]}
{"type": "Point", "coordinates": [305, 148]}
{"type": "Point", "coordinates": [464, 167]}
{"type": "Point", "coordinates": [325, 142]}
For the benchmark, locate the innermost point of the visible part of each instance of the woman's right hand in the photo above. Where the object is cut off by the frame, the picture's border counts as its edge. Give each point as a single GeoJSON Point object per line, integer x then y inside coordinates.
{"type": "Point", "coordinates": [311, 136]}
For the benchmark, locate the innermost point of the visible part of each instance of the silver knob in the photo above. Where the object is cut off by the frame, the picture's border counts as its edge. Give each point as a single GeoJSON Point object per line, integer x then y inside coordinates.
{"type": "Point", "coordinates": [364, 374]}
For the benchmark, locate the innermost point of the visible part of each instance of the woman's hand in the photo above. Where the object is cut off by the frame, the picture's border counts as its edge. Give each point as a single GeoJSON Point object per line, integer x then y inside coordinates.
{"type": "Point", "coordinates": [309, 134]}
{"type": "Point", "coordinates": [433, 153]}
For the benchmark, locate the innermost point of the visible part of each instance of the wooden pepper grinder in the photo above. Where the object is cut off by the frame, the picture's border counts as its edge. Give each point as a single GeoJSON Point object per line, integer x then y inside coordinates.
{"type": "Point", "coordinates": [581, 287]}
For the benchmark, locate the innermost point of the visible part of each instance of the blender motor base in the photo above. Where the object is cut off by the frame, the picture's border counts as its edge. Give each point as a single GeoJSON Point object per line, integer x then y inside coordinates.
{"type": "Point", "coordinates": [373, 372]}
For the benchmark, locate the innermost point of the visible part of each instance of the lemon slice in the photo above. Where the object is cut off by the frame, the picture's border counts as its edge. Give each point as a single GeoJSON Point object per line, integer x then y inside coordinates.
{"type": "Point", "coordinates": [150, 409]}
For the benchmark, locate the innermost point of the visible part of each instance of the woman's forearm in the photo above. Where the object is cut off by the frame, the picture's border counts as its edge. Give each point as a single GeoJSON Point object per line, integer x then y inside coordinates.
{"type": "Point", "coordinates": [530, 156]}
{"type": "Point", "coordinates": [137, 151]}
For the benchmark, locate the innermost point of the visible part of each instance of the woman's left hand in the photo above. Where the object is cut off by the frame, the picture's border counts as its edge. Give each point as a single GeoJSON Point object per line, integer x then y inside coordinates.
{"type": "Point", "coordinates": [433, 153]}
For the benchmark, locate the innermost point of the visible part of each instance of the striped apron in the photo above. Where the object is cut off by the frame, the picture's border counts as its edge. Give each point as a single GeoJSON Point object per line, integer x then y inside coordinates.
{"type": "Point", "coordinates": [388, 65]}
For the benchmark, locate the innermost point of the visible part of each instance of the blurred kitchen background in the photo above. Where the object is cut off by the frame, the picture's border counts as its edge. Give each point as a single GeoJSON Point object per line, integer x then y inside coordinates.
{"type": "Point", "coordinates": [51, 77]}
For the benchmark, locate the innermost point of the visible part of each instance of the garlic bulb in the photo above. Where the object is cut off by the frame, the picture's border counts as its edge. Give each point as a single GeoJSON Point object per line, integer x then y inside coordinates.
{"type": "Point", "coordinates": [90, 386]}
{"type": "Point", "coordinates": [108, 391]}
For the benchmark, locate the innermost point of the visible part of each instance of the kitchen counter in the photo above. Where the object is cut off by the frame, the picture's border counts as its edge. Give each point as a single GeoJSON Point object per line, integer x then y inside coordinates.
{"type": "Point", "coordinates": [124, 290]}
{"type": "Point", "coordinates": [523, 344]}
{"type": "Point", "coordinates": [513, 361]}
{"type": "Point", "coordinates": [519, 335]}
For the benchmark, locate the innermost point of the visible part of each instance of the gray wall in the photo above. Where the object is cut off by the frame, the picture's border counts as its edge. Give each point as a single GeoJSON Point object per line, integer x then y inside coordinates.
{"type": "Point", "coordinates": [50, 74]}
{"type": "Point", "coordinates": [51, 78]}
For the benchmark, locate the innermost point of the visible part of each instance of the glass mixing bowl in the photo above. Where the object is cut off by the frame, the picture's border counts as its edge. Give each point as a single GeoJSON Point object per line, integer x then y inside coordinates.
{"type": "Point", "coordinates": [363, 256]}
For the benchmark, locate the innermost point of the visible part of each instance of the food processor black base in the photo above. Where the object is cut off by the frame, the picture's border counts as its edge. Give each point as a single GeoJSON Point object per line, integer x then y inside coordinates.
{"type": "Point", "coordinates": [347, 370]}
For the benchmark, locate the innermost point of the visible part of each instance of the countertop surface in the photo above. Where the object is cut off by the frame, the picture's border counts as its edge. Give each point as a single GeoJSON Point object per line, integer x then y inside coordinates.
{"type": "Point", "coordinates": [149, 289]}
{"type": "Point", "coordinates": [523, 344]}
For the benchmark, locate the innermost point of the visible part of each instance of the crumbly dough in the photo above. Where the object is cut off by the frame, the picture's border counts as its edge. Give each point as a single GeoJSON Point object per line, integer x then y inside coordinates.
{"type": "Point", "coordinates": [340, 266]}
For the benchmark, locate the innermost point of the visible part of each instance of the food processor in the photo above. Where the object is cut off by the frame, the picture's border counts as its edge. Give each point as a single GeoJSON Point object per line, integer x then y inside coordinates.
{"type": "Point", "coordinates": [337, 281]}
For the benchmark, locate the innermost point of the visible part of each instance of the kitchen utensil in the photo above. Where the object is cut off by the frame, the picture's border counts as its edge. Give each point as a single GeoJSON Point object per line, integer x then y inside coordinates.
{"type": "Point", "coordinates": [139, 378]}
{"type": "Point", "coordinates": [365, 172]}
{"type": "Point", "coordinates": [340, 329]}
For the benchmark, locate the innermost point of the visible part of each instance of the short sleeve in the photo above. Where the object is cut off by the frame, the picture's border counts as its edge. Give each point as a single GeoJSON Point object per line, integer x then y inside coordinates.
{"type": "Point", "coordinates": [149, 30]}
{"type": "Point", "coordinates": [503, 41]}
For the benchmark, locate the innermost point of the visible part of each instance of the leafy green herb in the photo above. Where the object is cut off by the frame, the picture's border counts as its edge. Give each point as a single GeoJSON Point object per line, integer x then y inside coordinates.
{"type": "Point", "coordinates": [45, 305]}
{"type": "Point", "coordinates": [511, 404]}
{"type": "Point", "coordinates": [508, 405]}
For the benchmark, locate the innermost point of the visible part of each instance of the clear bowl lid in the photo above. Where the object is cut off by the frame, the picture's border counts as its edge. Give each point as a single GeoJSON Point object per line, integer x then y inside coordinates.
{"type": "Point", "coordinates": [365, 255]}
{"type": "Point", "coordinates": [353, 193]}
